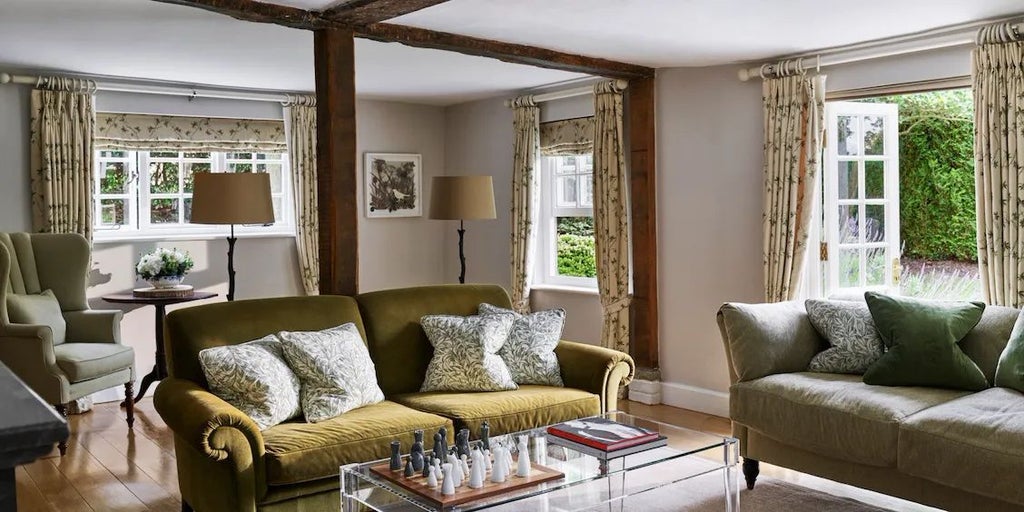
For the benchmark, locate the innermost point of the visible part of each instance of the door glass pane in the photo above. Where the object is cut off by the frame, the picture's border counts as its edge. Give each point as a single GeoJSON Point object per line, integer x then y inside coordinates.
{"type": "Point", "coordinates": [849, 225]}
{"type": "Point", "coordinates": [163, 211]}
{"type": "Point", "coordinates": [849, 267]}
{"type": "Point", "coordinates": [848, 138]}
{"type": "Point", "coordinates": [848, 180]}
{"type": "Point", "coordinates": [566, 192]}
{"type": "Point", "coordinates": [111, 212]}
{"type": "Point", "coordinates": [163, 177]}
{"type": "Point", "coordinates": [874, 179]}
{"type": "Point", "coordinates": [875, 271]}
{"type": "Point", "coordinates": [874, 223]}
{"type": "Point", "coordinates": [114, 178]}
{"type": "Point", "coordinates": [874, 135]}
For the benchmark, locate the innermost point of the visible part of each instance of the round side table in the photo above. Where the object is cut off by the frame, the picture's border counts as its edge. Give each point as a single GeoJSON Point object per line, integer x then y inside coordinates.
{"type": "Point", "coordinates": [160, 368]}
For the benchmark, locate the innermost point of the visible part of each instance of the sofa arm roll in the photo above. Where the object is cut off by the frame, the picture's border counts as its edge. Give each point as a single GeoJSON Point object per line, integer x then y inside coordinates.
{"type": "Point", "coordinates": [766, 339]}
{"type": "Point", "coordinates": [94, 326]}
{"type": "Point", "coordinates": [595, 369]}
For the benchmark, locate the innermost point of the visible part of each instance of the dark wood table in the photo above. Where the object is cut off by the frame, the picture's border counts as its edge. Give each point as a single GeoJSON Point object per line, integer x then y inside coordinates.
{"type": "Point", "coordinates": [29, 427]}
{"type": "Point", "coordinates": [160, 368]}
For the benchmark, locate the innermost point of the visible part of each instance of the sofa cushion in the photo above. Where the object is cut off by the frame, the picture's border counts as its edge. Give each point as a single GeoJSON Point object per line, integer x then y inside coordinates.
{"type": "Point", "coordinates": [849, 329]}
{"type": "Point", "coordinates": [84, 361]}
{"type": "Point", "coordinates": [987, 340]}
{"type": "Point", "coordinates": [834, 415]}
{"type": "Point", "coordinates": [507, 411]}
{"type": "Point", "coordinates": [39, 309]}
{"type": "Point", "coordinates": [302, 452]}
{"type": "Point", "coordinates": [972, 443]}
{"type": "Point", "coordinates": [1010, 371]}
{"type": "Point", "coordinates": [529, 351]}
{"type": "Point", "coordinates": [466, 353]}
{"type": "Point", "coordinates": [764, 339]}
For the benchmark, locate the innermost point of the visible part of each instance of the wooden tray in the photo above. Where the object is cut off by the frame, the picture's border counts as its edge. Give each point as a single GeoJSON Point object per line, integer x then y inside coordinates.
{"type": "Point", "coordinates": [180, 291]}
{"type": "Point", "coordinates": [417, 484]}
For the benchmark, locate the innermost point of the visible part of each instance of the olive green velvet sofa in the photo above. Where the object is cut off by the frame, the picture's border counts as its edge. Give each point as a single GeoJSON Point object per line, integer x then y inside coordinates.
{"type": "Point", "coordinates": [945, 448]}
{"type": "Point", "coordinates": [226, 464]}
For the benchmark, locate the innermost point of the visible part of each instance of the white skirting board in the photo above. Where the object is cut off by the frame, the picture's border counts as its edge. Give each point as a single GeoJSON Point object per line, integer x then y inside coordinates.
{"type": "Point", "coordinates": [703, 400]}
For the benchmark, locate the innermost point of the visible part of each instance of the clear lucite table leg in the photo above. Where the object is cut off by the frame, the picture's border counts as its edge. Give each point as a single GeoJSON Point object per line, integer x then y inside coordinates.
{"type": "Point", "coordinates": [349, 485]}
{"type": "Point", "coordinates": [731, 452]}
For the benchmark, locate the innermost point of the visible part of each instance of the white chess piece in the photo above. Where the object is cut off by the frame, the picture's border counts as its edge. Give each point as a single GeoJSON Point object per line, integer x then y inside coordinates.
{"type": "Point", "coordinates": [465, 466]}
{"type": "Point", "coordinates": [457, 475]}
{"type": "Point", "coordinates": [431, 477]}
{"type": "Point", "coordinates": [487, 459]}
{"type": "Point", "coordinates": [523, 469]}
{"type": "Point", "coordinates": [507, 452]}
{"type": "Point", "coordinates": [476, 473]}
{"type": "Point", "coordinates": [499, 460]}
{"type": "Point", "coordinates": [448, 486]}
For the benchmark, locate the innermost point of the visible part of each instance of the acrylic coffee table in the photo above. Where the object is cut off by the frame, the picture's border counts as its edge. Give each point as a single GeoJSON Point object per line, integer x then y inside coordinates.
{"type": "Point", "coordinates": [588, 482]}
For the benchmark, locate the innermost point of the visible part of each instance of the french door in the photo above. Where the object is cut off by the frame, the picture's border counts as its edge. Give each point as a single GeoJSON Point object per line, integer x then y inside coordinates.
{"type": "Point", "coordinates": [861, 249]}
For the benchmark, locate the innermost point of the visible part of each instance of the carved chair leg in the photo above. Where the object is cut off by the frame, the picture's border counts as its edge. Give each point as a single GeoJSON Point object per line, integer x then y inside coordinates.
{"type": "Point", "coordinates": [129, 403]}
{"type": "Point", "coordinates": [62, 446]}
{"type": "Point", "coordinates": [751, 468]}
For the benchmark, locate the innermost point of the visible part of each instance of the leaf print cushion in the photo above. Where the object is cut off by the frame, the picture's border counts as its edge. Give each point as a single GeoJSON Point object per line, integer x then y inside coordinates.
{"type": "Point", "coordinates": [255, 378]}
{"type": "Point", "coordinates": [335, 369]}
{"type": "Point", "coordinates": [466, 353]}
{"type": "Point", "coordinates": [529, 351]}
{"type": "Point", "coordinates": [850, 330]}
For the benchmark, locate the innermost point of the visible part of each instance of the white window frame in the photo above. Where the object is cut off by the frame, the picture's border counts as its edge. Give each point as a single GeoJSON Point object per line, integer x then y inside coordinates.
{"type": "Point", "coordinates": [546, 264]}
{"type": "Point", "coordinates": [138, 195]}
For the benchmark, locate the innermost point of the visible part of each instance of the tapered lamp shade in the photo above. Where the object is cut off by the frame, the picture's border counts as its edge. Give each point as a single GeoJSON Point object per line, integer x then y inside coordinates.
{"type": "Point", "coordinates": [462, 198]}
{"type": "Point", "coordinates": [231, 198]}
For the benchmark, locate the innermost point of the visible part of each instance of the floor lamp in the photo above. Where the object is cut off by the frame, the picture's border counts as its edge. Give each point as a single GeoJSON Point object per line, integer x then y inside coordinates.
{"type": "Point", "coordinates": [462, 198]}
{"type": "Point", "coordinates": [231, 198]}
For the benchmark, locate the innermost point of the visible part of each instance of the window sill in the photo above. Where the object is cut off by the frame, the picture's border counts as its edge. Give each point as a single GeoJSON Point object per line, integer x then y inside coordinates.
{"type": "Point", "coordinates": [561, 288]}
{"type": "Point", "coordinates": [198, 237]}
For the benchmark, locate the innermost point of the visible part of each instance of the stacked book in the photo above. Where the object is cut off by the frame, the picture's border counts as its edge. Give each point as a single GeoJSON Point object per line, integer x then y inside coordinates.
{"type": "Point", "coordinates": [603, 438]}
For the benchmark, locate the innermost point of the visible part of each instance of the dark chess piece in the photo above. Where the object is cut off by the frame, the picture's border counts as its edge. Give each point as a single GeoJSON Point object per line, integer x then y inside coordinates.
{"type": "Point", "coordinates": [408, 468]}
{"type": "Point", "coordinates": [396, 455]}
{"type": "Point", "coordinates": [439, 450]}
{"type": "Point", "coordinates": [444, 440]}
{"type": "Point", "coordinates": [416, 452]}
{"type": "Point", "coordinates": [485, 436]}
{"type": "Point", "coordinates": [426, 467]}
{"type": "Point", "coordinates": [462, 443]}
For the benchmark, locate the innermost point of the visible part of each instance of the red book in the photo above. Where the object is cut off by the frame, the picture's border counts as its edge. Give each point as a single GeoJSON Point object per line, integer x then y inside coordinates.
{"type": "Point", "coordinates": [602, 433]}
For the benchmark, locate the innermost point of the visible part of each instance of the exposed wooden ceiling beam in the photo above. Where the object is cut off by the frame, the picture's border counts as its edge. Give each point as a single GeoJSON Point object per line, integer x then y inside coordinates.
{"type": "Point", "coordinates": [249, 10]}
{"type": "Point", "coordinates": [365, 12]}
{"type": "Point", "coordinates": [508, 52]}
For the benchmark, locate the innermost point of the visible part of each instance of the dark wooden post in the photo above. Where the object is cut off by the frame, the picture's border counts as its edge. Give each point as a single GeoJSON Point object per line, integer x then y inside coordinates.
{"type": "Point", "coordinates": [336, 160]}
{"type": "Point", "coordinates": [643, 206]}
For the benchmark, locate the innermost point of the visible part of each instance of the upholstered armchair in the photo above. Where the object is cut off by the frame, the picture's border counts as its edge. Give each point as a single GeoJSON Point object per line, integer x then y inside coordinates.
{"type": "Point", "coordinates": [48, 335]}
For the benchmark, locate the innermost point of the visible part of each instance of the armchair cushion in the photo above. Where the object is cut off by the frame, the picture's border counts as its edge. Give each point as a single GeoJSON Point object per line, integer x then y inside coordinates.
{"type": "Point", "coordinates": [39, 309]}
{"type": "Point", "coordinates": [85, 361]}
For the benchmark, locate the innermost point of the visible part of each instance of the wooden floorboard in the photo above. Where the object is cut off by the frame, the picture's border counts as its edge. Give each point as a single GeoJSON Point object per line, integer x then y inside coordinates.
{"type": "Point", "coordinates": [111, 468]}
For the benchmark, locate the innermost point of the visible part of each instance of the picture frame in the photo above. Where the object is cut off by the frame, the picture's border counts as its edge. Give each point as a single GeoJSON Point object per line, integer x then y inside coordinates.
{"type": "Point", "coordinates": [393, 185]}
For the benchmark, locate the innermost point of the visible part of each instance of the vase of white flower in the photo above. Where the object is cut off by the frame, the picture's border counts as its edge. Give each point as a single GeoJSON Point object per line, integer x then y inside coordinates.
{"type": "Point", "coordinates": [164, 268]}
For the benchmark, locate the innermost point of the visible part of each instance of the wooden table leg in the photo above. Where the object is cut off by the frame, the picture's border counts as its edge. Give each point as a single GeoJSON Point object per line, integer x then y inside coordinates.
{"type": "Point", "coordinates": [159, 371]}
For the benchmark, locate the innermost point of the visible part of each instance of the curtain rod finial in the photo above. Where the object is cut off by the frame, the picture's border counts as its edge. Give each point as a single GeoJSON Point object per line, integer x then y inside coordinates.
{"type": "Point", "coordinates": [744, 75]}
{"type": "Point", "coordinates": [5, 78]}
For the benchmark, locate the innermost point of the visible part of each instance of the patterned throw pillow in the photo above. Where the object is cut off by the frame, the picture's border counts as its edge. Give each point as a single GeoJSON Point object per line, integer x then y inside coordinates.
{"type": "Point", "coordinates": [254, 378]}
{"type": "Point", "coordinates": [466, 353]}
{"type": "Point", "coordinates": [335, 369]}
{"type": "Point", "coordinates": [529, 351]}
{"type": "Point", "coordinates": [848, 327]}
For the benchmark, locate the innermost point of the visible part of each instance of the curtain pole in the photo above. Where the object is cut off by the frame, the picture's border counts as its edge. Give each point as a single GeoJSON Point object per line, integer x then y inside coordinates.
{"type": "Point", "coordinates": [173, 90]}
{"type": "Point", "coordinates": [569, 93]}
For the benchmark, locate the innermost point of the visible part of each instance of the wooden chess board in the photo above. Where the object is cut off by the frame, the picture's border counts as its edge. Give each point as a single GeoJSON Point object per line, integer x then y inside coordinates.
{"type": "Point", "coordinates": [417, 484]}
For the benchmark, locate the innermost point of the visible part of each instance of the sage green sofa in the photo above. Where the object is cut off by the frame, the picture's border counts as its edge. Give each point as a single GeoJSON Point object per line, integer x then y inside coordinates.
{"type": "Point", "coordinates": [226, 464]}
{"type": "Point", "coordinates": [950, 449]}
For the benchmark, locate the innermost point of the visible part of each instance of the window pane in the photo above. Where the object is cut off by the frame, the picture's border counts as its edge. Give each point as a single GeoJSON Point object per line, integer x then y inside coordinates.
{"type": "Point", "coordinates": [163, 154]}
{"type": "Point", "coordinates": [847, 137]}
{"type": "Point", "coordinates": [190, 169]}
{"type": "Point", "coordinates": [275, 175]}
{"type": "Point", "coordinates": [163, 211]}
{"type": "Point", "coordinates": [114, 178]}
{"type": "Point", "coordinates": [875, 275]}
{"type": "Point", "coordinates": [188, 210]}
{"type": "Point", "coordinates": [268, 156]}
{"type": "Point", "coordinates": [874, 179]}
{"type": "Point", "coordinates": [239, 167]}
{"type": "Point", "coordinates": [575, 246]}
{"type": "Point", "coordinates": [566, 165]}
{"type": "Point", "coordinates": [197, 155]}
{"type": "Point", "coordinates": [113, 154]}
{"type": "Point", "coordinates": [874, 223]}
{"type": "Point", "coordinates": [587, 164]}
{"type": "Point", "coordinates": [874, 136]}
{"type": "Point", "coordinates": [849, 267]}
{"type": "Point", "coordinates": [112, 212]}
{"type": "Point", "coordinates": [277, 209]}
{"type": "Point", "coordinates": [566, 193]}
{"type": "Point", "coordinates": [239, 156]}
{"type": "Point", "coordinates": [163, 177]}
{"type": "Point", "coordinates": [849, 225]}
{"type": "Point", "coordinates": [848, 180]}
{"type": "Point", "coordinates": [586, 190]}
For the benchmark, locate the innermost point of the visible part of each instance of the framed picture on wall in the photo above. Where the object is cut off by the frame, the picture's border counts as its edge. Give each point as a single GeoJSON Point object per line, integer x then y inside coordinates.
{"type": "Point", "coordinates": [393, 185]}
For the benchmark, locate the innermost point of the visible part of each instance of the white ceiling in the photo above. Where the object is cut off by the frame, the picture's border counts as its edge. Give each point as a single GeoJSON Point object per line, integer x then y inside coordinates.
{"type": "Point", "coordinates": [150, 40]}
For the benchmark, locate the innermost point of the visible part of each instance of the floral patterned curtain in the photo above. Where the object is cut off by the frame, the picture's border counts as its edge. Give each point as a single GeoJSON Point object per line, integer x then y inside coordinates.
{"type": "Point", "coordinates": [793, 119]}
{"type": "Point", "coordinates": [300, 128]}
{"type": "Point", "coordinates": [611, 216]}
{"type": "Point", "coordinates": [998, 71]}
{"type": "Point", "coordinates": [180, 133]}
{"type": "Point", "coordinates": [61, 156]}
{"type": "Point", "coordinates": [525, 197]}
{"type": "Point", "coordinates": [567, 137]}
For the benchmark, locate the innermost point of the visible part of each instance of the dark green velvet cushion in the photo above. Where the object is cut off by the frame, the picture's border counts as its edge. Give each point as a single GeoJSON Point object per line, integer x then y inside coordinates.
{"type": "Point", "coordinates": [1010, 372]}
{"type": "Point", "coordinates": [921, 339]}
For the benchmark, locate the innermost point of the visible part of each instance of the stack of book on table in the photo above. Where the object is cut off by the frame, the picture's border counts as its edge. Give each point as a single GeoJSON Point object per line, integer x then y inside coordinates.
{"type": "Point", "coordinates": [603, 438]}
